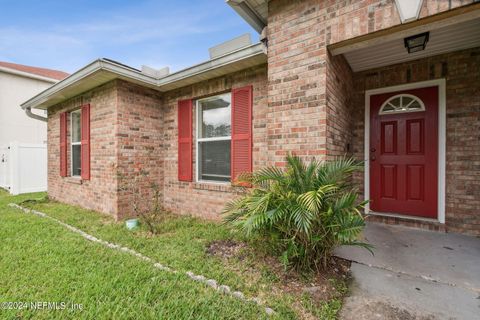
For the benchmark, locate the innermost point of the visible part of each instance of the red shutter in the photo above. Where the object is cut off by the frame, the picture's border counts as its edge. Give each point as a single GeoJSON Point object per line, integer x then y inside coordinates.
{"type": "Point", "coordinates": [241, 131]}
{"type": "Point", "coordinates": [85, 157]}
{"type": "Point", "coordinates": [63, 144]}
{"type": "Point", "coordinates": [185, 140]}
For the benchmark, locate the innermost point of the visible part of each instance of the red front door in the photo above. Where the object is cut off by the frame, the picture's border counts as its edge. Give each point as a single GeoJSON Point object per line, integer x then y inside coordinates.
{"type": "Point", "coordinates": [404, 152]}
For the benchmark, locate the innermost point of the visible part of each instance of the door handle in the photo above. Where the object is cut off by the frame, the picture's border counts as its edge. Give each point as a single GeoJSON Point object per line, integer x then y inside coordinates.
{"type": "Point", "coordinates": [372, 156]}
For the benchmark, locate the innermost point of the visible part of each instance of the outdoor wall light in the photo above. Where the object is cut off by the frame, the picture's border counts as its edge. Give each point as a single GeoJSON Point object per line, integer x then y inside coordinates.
{"type": "Point", "coordinates": [417, 42]}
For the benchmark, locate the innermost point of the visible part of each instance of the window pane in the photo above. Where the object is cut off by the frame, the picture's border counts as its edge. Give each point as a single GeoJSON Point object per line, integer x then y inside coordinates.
{"type": "Point", "coordinates": [76, 130]}
{"type": "Point", "coordinates": [215, 117]}
{"type": "Point", "coordinates": [415, 106]}
{"type": "Point", "coordinates": [388, 107]}
{"type": "Point", "coordinates": [406, 101]}
{"type": "Point", "coordinates": [76, 160]}
{"type": "Point", "coordinates": [214, 160]}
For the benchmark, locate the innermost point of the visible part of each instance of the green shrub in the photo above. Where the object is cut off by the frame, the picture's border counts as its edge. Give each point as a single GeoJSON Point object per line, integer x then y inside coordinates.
{"type": "Point", "coordinates": [306, 210]}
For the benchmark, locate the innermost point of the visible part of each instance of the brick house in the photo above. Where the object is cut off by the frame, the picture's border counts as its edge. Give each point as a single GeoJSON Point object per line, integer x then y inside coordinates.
{"type": "Point", "coordinates": [396, 83]}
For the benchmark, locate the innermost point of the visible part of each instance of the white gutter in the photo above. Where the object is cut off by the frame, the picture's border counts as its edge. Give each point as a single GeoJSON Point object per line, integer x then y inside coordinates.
{"type": "Point", "coordinates": [32, 115]}
{"type": "Point", "coordinates": [121, 71]}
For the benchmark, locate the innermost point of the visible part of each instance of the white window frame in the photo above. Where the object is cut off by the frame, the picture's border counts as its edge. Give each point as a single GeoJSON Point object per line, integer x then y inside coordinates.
{"type": "Point", "coordinates": [198, 140]}
{"type": "Point", "coordinates": [79, 143]}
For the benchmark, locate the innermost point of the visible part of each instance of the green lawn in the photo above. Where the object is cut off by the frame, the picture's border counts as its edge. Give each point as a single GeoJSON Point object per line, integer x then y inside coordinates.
{"type": "Point", "coordinates": [41, 260]}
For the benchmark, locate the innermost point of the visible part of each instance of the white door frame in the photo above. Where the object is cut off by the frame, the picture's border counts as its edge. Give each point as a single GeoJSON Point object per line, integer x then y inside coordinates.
{"type": "Point", "coordinates": [441, 140]}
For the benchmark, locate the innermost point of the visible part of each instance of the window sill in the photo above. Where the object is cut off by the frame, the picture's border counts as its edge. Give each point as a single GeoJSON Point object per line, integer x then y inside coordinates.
{"type": "Point", "coordinates": [74, 180]}
{"type": "Point", "coordinates": [220, 187]}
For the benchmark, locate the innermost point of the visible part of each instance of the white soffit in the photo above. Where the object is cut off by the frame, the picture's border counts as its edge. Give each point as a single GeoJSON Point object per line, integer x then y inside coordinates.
{"type": "Point", "coordinates": [409, 9]}
{"type": "Point", "coordinates": [447, 39]}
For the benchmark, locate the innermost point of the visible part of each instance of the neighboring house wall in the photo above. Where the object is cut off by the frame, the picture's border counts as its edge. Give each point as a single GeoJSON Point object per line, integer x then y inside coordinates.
{"type": "Point", "coordinates": [15, 125]}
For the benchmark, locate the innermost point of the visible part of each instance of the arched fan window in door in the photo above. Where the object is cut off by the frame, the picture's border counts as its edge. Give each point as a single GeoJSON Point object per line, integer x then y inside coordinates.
{"type": "Point", "coordinates": [401, 103]}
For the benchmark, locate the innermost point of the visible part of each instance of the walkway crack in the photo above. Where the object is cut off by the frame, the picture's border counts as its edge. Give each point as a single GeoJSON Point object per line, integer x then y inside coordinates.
{"type": "Point", "coordinates": [423, 277]}
{"type": "Point", "coordinates": [223, 289]}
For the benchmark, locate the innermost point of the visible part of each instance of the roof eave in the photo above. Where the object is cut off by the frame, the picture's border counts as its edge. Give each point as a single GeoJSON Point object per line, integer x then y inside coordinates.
{"type": "Point", "coordinates": [41, 100]}
{"type": "Point", "coordinates": [253, 18]}
{"type": "Point", "coordinates": [102, 71]}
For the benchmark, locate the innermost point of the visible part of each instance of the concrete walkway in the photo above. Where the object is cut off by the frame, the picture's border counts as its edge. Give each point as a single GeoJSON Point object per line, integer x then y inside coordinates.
{"type": "Point", "coordinates": [415, 274]}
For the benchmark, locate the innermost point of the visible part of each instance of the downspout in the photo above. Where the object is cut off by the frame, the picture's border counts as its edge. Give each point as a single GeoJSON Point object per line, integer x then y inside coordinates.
{"type": "Point", "coordinates": [28, 111]}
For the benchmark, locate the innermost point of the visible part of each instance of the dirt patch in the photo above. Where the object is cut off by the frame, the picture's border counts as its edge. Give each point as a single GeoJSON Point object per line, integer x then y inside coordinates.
{"type": "Point", "coordinates": [321, 287]}
{"type": "Point", "coordinates": [226, 248]}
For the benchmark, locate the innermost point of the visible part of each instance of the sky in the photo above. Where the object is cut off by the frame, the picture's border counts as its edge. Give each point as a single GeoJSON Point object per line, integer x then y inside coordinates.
{"type": "Point", "coordinates": [66, 35]}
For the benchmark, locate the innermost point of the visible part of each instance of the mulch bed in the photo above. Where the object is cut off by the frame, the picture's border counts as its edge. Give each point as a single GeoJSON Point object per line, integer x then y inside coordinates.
{"type": "Point", "coordinates": [319, 285]}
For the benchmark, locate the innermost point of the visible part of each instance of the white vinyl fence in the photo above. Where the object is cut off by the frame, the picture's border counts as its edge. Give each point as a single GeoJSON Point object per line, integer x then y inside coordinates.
{"type": "Point", "coordinates": [23, 167]}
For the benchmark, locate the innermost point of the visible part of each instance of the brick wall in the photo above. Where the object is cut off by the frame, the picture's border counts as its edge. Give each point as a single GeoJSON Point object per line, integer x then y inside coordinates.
{"type": "Point", "coordinates": [203, 199]}
{"type": "Point", "coordinates": [462, 73]}
{"type": "Point", "coordinates": [348, 19]}
{"type": "Point", "coordinates": [306, 91]}
{"type": "Point", "coordinates": [297, 76]}
{"type": "Point", "coordinates": [140, 149]}
{"type": "Point", "coordinates": [99, 193]}
{"type": "Point", "coordinates": [339, 106]}
{"type": "Point", "coordinates": [134, 130]}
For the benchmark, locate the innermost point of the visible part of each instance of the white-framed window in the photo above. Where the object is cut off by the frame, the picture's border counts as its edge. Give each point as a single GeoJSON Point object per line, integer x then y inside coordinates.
{"type": "Point", "coordinates": [402, 103]}
{"type": "Point", "coordinates": [213, 138]}
{"type": "Point", "coordinates": [76, 143]}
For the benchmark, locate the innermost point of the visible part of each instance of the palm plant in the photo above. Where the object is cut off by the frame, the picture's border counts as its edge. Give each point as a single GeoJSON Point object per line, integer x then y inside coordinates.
{"type": "Point", "coordinates": [306, 210]}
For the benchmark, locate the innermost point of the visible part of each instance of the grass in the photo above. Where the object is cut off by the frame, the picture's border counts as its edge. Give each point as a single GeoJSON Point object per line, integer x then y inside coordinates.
{"type": "Point", "coordinates": [42, 261]}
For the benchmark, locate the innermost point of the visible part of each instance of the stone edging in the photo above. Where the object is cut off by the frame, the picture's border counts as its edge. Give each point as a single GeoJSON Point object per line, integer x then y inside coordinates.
{"type": "Point", "coordinates": [224, 289]}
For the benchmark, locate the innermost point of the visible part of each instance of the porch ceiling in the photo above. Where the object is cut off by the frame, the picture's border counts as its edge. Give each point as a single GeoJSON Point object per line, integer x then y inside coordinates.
{"type": "Point", "coordinates": [447, 39]}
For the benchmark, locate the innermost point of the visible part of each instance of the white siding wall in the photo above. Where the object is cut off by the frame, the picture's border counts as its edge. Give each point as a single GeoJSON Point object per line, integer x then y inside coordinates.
{"type": "Point", "coordinates": [14, 123]}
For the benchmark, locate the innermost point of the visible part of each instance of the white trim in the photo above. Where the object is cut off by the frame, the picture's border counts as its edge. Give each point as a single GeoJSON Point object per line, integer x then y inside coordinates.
{"type": "Point", "coordinates": [78, 143]}
{"type": "Point", "coordinates": [441, 138]}
{"type": "Point", "coordinates": [198, 140]}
